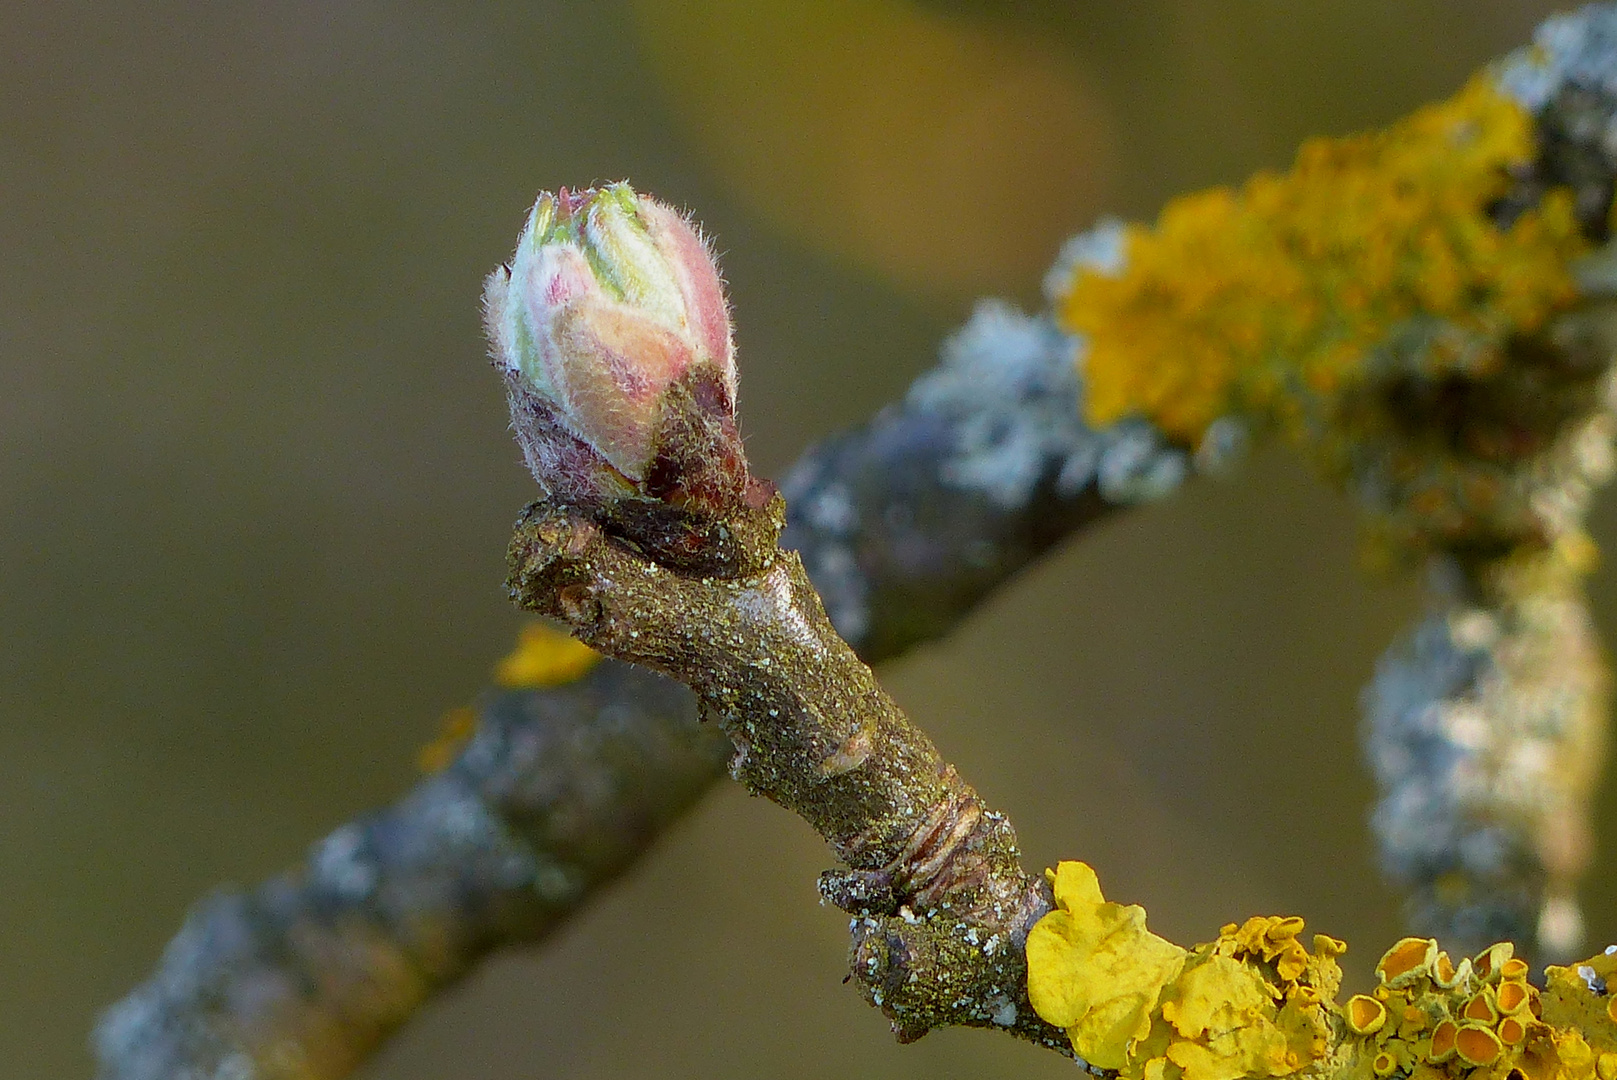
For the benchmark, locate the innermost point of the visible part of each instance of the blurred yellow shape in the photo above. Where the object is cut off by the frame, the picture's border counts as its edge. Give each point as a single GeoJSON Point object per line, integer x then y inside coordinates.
{"type": "Point", "coordinates": [949, 153]}
{"type": "Point", "coordinates": [1266, 300]}
{"type": "Point", "coordinates": [544, 656]}
{"type": "Point", "coordinates": [458, 725]}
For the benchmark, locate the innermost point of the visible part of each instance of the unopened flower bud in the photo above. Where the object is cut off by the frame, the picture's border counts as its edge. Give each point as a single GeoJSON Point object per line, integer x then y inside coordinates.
{"type": "Point", "coordinates": [611, 328]}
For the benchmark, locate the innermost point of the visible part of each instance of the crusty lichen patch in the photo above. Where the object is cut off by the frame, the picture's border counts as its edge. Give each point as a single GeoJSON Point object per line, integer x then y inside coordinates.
{"type": "Point", "coordinates": [1266, 299]}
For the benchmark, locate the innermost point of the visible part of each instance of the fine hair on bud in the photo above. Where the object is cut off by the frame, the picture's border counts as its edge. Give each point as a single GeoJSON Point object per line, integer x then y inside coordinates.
{"type": "Point", "coordinates": [612, 331]}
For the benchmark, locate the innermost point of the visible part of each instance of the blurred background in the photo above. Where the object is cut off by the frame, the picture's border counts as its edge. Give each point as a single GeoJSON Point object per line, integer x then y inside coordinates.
{"type": "Point", "coordinates": [256, 483]}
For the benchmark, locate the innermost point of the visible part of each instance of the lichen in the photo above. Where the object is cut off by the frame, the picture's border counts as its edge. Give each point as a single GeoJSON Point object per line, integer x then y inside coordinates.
{"type": "Point", "coordinates": [1478, 1014]}
{"type": "Point", "coordinates": [1422, 311]}
{"type": "Point", "coordinates": [544, 656]}
{"type": "Point", "coordinates": [1485, 730]}
{"type": "Point", "coordinates": [1257, 1003]}
{"type": "Point", "coordinates": [1251, 1003]}
{"type": "Point", "coordinates": [1265, 300]}
{"type": "Point", "coordinates": [1578, 999]}
{"type": "Point", "coordinates": [1095, 970]}
{"type": "Point", "coordinates": [453, 733]}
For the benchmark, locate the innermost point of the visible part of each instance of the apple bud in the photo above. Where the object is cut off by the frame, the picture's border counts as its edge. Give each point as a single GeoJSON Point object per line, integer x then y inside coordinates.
{"type": "Point", "coordinates": [611, 328]}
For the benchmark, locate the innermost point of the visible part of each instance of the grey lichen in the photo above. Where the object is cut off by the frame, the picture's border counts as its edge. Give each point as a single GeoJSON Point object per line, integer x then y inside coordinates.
{"type": "Point", "coordinates": [1007, 385]}
{"type": "Point", "coordinates": [1100, 248]}
{"type": "Point", "coordinates": [986, 461]}
{"type": "Point", "coordinates": [1573, 50]}
{"type": "Point", "coordinates": [1568, 79]}
{"type": "Point", "coordinates": [1485, 726]}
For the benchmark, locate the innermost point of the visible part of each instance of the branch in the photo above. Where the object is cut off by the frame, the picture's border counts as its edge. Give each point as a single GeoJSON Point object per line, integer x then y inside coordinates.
{"type": "Point", "coordinates": [985, 464]}
{"type": "Point", "coordinates": [934, 872]}
{"type": "Point", "coordinates": [560, 788]}
{"type": "Point", "coordinates": [554, 794]}
{"type": "Point", "coordinates": [1427, 313]}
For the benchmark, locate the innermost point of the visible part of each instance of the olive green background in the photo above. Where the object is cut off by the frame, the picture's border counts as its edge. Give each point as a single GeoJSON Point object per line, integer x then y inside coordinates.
{"type": "Point", "coordinates": [255, 482]}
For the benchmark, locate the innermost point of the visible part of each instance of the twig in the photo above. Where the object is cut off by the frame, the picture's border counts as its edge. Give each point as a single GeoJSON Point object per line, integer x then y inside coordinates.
{"type": "Point", "coordinates": [559, 789]}
{"type": "Point", "coordinates": [934, 873]}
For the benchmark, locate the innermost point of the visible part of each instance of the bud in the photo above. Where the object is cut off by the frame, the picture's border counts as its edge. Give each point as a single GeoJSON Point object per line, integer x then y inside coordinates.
{"type": "Point", "coordinates": [611, 328]}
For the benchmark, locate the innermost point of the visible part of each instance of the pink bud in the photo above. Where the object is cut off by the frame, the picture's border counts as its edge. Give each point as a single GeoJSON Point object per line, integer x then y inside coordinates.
{"type": "Point", "coordinates": [611, 328]}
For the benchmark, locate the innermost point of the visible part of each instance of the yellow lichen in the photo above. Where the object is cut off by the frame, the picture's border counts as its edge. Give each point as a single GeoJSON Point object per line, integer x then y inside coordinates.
{"type": "Point", "coordinates": [1569, 1002]}
{"type": "Point", "coordinates": [1325, 945]}
{"type": "Point", "coordinates": [1480, 1014]}
{"type": "Point", "coordinates": [1442, 1045]}
{"type": "Point", "coordinates": [1365, 1015]}
{"type": "Point", "coordinates": [1406, 961]}
{"type": "Point", "coordinates": [1572, 1053]}
{"type": "Point", "coordinates": [544, 656]}
{"type": "Point", "coordinates": [458, 725]}
{"type": "Point", "coordinates": [1241, 1006]}
{"type": "Point", "coordinates": [1512, 995]}
{"type": "Point", "coordinates": [1095, 970]}
{"type": "Point", "coordinates": [1254, 1002]}
{"type": "Point", "coordinates": [1413, 1024]}
{"type": "Point", "coordinates": [1490, 962]}
{"type": "Point", "coordinates": [1477, 1045]}
{"type": "Point", "coordinates": [1444, 971]}
{"type": "Point", "coordinates": [1480, 1009]}
{"type": "Point", "coordinates": [1234, 1013]}
{"type": "Point", "coordinates": [1266, 300]}
{"type": "Point", "coordinates": [1223, 1021]}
